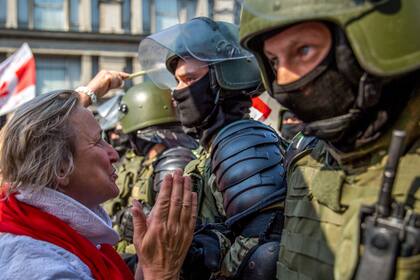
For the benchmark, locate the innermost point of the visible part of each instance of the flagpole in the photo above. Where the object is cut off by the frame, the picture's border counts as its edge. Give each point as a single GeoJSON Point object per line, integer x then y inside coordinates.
{"type": "Point", "coordinates": [136, 74]}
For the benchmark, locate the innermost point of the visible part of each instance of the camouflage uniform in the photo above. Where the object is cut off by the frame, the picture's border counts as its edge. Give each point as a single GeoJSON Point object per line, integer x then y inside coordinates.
{"type": "Point", "coordinates": [325, 194]}
{"type": "Point", "coordinates": [210, 200]}
{"type": "Point", "coordinates": [127, 171]}
{"type": "Point", "coordinates": [326, 187]}
{"type": "Point", "coordinates": [137, 183]}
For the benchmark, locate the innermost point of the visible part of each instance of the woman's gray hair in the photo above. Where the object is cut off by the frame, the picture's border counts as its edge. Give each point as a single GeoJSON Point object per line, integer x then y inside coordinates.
{"type": "Point", "coordinates": [37, 142]}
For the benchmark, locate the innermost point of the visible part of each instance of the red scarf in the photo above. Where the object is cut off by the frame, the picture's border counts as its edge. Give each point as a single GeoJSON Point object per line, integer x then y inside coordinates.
{"type": "Point", "coordinates": [22, 219]}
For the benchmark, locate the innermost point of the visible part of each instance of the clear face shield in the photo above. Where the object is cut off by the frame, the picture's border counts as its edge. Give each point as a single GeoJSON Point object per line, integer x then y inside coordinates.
{"type": "Point", "coordinates": [200, 39]}
{"type": "Point", "coordinates": [108, 112]}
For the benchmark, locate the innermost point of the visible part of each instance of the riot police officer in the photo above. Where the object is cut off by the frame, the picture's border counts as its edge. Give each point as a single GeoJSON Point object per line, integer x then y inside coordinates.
{"type": "Point", "coordinates": [159, 146]}
{"type": "Point", "coordinates": [349, 70]}
{"type": "Point", "coordinates": [236, 175]}
{"type": "Point", "coordinates": [289, 124]}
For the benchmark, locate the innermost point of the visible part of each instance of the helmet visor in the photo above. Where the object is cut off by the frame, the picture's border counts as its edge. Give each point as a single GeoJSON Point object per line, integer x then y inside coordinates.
{"type": "Point", "coordinates": [201, 39]}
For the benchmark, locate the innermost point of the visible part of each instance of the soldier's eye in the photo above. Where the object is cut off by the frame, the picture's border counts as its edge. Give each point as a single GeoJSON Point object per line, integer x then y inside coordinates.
{"type": "Point", "coordinates": [189, 80]}
{"type": "Point", "coordinates": [304, 50]}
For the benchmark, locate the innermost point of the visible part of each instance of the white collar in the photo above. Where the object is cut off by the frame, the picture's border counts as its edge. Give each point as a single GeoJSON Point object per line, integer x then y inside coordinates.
{"type": "Point", "coordinates": [94, 224]}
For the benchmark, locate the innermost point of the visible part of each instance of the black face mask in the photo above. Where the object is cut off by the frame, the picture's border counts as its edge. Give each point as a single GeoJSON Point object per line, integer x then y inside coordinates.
{"type": "Point", "coordinates": [291, 128]}
{"type": "Point", "coordinates": [338, 100]}
{"type": "Point", "coordinates": [196, 102]}
{"type": "Point", "coordinates": [328, 95]}
{"type": "Point", "coordinates": [288, 131]}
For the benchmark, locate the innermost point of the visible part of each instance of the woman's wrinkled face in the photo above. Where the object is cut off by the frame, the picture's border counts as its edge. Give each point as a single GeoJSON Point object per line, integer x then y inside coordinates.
{"type": "Point", "coordinates": [297, 50]}
{"type": "Point", "coordinates": [189, 71]}
{"type": "Point", "coordinates": [93, 179]}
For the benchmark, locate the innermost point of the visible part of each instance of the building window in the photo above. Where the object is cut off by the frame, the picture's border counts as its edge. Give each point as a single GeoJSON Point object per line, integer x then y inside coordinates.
{"type": "Point", "coordinates": [23, 13]}
{"type": "Point", "coordinates": [49, 14]}
{"type": "Point", "coordinates": [57, 72]}
{"type": "Point", "coordinates": [3, 12]}
{"type": "Point", "coordinates": [166, 14]}
{"type": "Point", "coordinates": [114, 16]}
{"type": "Point", "coordinates": [161, 14]}
{"type": "Point", "coordinates": [190, 7]}
{"type": "Point", "coordinates": [146, 9]}
{"type": "Point", "coordinates": [126, 16]}
{"type": "Point", "coordinates": [236, 13]}
{"type": "Point", "coordinates": [95, 15]}
{"type": "Point", "coordinates": [74, 14]}
{"type": "Point", "coordinates": [210, 5]}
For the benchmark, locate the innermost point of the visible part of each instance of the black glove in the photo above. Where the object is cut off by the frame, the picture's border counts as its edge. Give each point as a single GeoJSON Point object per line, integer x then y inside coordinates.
{"type": "Point", "coordinates": [124, 220]}
{"type": "Point", "coordinates": [203, 258]}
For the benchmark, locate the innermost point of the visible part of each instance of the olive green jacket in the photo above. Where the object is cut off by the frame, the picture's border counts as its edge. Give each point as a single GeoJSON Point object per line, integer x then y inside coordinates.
{"type": "Point", "coordinates": [210, 200]}
{"type": "Point", "coordinates": [135, 180]}
{"type": "Point", "coordinates": [322, 226]}
{"type": "Point", "coordinates": [128, 172]}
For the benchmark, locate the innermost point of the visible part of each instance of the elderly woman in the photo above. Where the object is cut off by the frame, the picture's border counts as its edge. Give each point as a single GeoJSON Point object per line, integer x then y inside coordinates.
{"type": "Point", "coordinates": [57, 170]}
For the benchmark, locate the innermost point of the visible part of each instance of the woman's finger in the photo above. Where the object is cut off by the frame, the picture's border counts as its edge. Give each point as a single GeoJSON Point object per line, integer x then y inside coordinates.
{"type": "Point", "coordinates": [194, 203]}
{"type": "Point", "coordinates": [139, 222]}
{"type": "Point", "coordinates": [186, 203]}
{"type": "Point", "coordinates": [161, 208]}
{"type": "Point", "coordinates": [176, 198]}
{"type": "Point", "coordinates": [189, 226]}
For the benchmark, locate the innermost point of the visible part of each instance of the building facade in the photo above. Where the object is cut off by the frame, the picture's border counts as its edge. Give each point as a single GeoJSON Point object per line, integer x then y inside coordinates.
{"type": "Point", "coordinates": [74, 39]}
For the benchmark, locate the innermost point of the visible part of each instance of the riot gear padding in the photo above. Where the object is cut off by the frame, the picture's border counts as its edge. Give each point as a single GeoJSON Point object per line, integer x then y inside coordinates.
{"type": "Point", "coordinates": [247, 163]}
{"type": "Point", "coordinates": [168, 161]}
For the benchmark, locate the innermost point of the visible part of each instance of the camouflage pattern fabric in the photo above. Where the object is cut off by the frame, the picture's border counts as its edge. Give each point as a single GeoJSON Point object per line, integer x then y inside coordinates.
{"type": "Point", "coordinates": [135, 181]}
{"type": "Point", "coordinates": [326, 190]}
{"type": "Point", "coordinates": [210, 200]}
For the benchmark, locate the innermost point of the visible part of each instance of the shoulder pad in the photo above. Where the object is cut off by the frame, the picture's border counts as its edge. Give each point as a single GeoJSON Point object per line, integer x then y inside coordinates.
{"type": "Point", "coordinates": [248, 165]}
{"type": "Point", "coordinates": [168, 161]}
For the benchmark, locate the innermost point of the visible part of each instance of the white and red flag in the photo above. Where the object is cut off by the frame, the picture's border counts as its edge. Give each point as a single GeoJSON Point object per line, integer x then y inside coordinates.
{"type": "Point", "coordinates": [17, 79]}
{"type": "Point", "coordinates": [259, 109]}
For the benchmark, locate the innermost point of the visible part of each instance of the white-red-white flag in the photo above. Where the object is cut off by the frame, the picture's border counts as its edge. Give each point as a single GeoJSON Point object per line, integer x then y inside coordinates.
{"type": "Point", "coordinates": [17, 79]}
{"type": "Point", "coordinates": [259, 109]}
